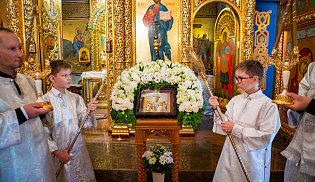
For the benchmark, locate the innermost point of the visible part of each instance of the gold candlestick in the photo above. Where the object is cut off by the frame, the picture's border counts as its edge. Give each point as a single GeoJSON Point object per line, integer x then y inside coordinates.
{"type": "Point", "coordinates": [290, 57]}
{"type": "Point", "coordinates": [40, 100]}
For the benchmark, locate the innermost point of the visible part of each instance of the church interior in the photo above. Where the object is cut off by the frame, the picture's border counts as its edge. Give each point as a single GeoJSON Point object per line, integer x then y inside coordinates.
{"type": "Point", "coordinates": [101, 39]}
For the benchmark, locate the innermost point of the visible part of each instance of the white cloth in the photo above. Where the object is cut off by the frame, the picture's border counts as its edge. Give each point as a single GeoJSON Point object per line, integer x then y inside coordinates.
{"type": "Point", "coordinates": [24, 153]}
{"type": "Point", "coordinates": [301, 150]}
{"type": "Point", "coordinates": [61, 126]}
{"type": "Point", "coordinates": [257, 122]}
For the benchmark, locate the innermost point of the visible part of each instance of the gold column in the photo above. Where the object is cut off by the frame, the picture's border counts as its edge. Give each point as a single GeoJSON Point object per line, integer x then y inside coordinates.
{"type": "Point", "coordinates": [249, 30]}
{"type": "Point", "coordinates": [185, 18]}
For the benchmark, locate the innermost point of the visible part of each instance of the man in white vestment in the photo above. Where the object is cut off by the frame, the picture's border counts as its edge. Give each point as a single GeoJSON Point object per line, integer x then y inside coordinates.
{"type": "Point", "coordinates": [24, 154]}
{"type": "Point", "coordinates": [300, 153]}
{"type": "Point", "coordinates": [253, 121]}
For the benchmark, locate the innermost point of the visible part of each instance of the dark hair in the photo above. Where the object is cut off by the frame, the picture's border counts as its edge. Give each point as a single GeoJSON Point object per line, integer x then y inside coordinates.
{"type": "Point", "coordinates": [5, 30]}
{"type": "Point", "coordinates": [252, 68]}
{"type": "Point", "coordinates": [57, 65]}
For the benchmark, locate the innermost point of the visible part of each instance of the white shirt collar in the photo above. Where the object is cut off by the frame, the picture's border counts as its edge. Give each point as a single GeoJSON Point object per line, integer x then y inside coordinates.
{"type": "Point", "coordinates": [256, 94]}
{"type": "Point", "coordinates": [56, 92]}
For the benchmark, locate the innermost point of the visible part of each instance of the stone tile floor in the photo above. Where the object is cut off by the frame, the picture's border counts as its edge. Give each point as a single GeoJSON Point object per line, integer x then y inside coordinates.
{"type": "Point", "coordinates": [115, 160]}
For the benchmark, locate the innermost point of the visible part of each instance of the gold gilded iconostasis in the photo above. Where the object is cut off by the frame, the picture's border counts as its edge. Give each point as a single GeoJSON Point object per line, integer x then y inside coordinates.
{"type": "Point", "coordinates": [115, 36]}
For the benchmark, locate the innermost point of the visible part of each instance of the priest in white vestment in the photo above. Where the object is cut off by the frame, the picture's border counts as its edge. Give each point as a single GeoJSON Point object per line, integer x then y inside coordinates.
{"type": "Point", "coordinates": [300, 153]}
{"type": "Point", "coordinates": [24, 153]}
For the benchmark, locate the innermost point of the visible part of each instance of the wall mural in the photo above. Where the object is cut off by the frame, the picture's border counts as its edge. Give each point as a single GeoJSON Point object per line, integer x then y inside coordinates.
{"type": "Point", "coordinates": [76, 35]}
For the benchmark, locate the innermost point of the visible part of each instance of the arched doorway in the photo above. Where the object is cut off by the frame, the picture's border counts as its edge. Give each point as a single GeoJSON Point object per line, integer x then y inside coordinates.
{"type": "Point", "coordinates": [216, 37]}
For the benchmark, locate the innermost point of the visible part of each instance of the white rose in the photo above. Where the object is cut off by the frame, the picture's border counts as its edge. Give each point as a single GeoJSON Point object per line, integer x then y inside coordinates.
{"type": "Point", "coordinates": [195, 108]}
{"type": "Point", "coordinates": [168, 71]}
{"type": "Point", "coordinates": [163, 70]}
{"type": "Point", "coordinates": [181, 107]}
{"type": "Point", "coordinates": [115, 106]}
{"type": "Point", "coordinates": [122, 107]}
{"type": "Point", "coordinates": [188, 108]}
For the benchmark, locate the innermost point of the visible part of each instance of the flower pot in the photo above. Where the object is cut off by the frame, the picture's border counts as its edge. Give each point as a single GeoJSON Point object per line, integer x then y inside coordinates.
{"type": "Point", "coordinates": [158, 177]}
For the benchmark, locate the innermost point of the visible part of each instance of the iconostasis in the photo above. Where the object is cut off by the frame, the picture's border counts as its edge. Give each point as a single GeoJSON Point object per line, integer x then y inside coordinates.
{"type": "Point", "coordinates": [112, 35]}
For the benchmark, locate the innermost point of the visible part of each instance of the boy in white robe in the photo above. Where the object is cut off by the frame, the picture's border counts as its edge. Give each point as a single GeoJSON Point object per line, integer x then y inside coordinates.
{"type": "Point", "coordinates": [300, 153]}
{"type": "Point", "coordinates": [253, 121]}
{"type": "Point", "coordinates": [63, 123]}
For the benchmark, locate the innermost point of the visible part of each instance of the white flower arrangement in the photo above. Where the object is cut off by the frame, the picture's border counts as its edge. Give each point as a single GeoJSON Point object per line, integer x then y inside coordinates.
{"type": "Point", "coordinates": [158, 159]}
{"type": "Point", "coordinates": [158, 74]}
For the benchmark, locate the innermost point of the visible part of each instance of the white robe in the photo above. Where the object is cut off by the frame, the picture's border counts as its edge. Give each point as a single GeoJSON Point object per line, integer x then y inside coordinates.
{"type": "Point", "coordinates": [257, 122]}
{"type": "Point", "coordinates": [301, 150]}
{"type": "Point", "coordinates": [62, 126]}
{"type": "Point", "coordinates": [24, 153]}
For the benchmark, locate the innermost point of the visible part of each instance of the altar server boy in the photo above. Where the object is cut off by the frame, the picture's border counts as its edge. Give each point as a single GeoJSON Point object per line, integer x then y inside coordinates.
{"type": "Point", "coordinates": [63, 123]}
{"type": "Point", "coordinates": [253, 121]}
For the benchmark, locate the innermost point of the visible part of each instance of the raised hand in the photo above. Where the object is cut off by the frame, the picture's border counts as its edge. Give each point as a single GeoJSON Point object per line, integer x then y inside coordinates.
{"type": "Point", "coordinates": [213, 101]}
{"type": "Point", "coordinates": [92, 105]}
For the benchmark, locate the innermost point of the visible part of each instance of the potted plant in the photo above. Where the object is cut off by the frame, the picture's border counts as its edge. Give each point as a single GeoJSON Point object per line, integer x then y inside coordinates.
{"type": "Point", "coordinates": [158, 160]}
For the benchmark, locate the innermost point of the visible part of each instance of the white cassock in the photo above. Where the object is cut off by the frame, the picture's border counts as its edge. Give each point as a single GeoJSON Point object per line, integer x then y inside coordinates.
{"type": "Point", "coordinates": [24, 153]}
{"type": "Point", "coordinates": [62, 126]}
{"type": "Point", "coordinates": [257, 122]}
{"type": "Point", "coordinates": [300, 153]}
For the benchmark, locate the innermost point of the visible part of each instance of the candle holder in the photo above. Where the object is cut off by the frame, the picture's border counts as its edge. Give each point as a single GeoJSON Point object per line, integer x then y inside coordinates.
{"type": "Point", "coordinates": [291, 58]}
{"type": "Point", "coordinates": [40, 100]}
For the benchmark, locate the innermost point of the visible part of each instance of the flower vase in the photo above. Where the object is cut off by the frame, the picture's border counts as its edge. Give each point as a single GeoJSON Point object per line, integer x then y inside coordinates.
{"type": "Point", "coordinates": [158, 177]}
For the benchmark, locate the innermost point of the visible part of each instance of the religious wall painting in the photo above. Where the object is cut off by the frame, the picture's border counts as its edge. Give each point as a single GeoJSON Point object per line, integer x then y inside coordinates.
{"type": "Point", "coordinates": [161, 22]}
{"type": "Point", "coordinates": [299, 70]}
{"type": "Point", "coordinates": [75, 37]}
{"type": "Point", "coordinates": [53, 8]}
{"type": "Point", "coordinates": [224, 64]}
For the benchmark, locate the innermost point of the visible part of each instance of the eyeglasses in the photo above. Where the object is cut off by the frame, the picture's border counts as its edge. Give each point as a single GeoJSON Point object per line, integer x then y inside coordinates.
{"type": "Point", "coordinates": [240, 79]}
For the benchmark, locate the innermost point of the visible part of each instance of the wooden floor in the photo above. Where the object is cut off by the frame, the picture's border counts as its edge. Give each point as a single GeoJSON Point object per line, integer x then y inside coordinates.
{"type": "Point", "coordinates": [115, 160]}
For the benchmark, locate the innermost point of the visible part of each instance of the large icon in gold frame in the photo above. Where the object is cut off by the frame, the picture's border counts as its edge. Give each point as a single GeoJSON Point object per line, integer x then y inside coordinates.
{"type": "Point", "coordinates": [153, 102]}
